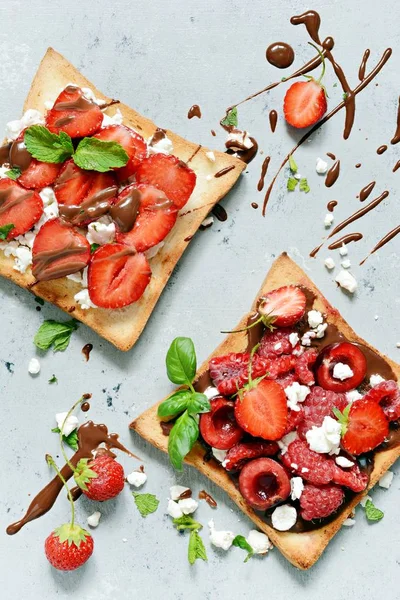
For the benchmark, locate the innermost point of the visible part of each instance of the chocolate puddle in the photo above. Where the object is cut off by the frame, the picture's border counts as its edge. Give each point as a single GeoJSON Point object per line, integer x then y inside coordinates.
{"type": "Point", "coordinates": [44, 270]}
{"type": "Point", "coordinates": [92, 208]}
{"type": "Point", "coordinates": [90, 436]}
{"type": "Point", "coordinates": [219, 212]}
{"type": "Point", "coordinates": [125, 211]}
{"type": "Point", "coordinates": [280, 55]}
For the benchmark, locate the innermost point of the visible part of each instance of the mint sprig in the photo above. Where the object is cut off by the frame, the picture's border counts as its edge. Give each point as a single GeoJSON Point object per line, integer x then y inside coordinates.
{"type": "Point", "coordinates": [304, 187]}
{"type": "Point", "coordinates": [90, 154]}
{"type": "Point", "coordinates": [196, 549]}
{"type": "Point", "coordinates": [146, 503]}
{"type": "Point", "coordinates": [241, 542]}
{"type": "Point", "coordinates": [181, 366]}
{"type": "Point", "coordinates": [53, 333]}
{"type": "Point", "coordinates": [231, 118]}
{"type": "Point", "coordinates": [372, 513]}
{"type": "Point", "coordinates": [292, 184]}
{"type": "Point", "coordinates": [5, 230]}
{"type": "Point", "coordinates": [13, 173]}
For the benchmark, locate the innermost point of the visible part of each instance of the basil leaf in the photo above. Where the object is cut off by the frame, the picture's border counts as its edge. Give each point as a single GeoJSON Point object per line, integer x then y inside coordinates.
{"type": "Point", "coordinates": [175, 404]}
{"type": "Point", "coordinates": [231, 119]}
{"type": "Point", "coordinates": [304, 187]}
{"type": "Point", "coordinates": [93, 247]}
{"type": "Point", "coordinates": [186, 522]}
{"type": "Point", "coordinates": [241, 542]}
{"type": "Point", "coordinates": [13, 173]}
{"type": "Point", "coordinates": [72, 439]}
{"type": "Point", "coordinates": [198, 403]}
{"type": "Point", "coordinates": [181, 439]}
{"type": "Point", "coordinates": [146, 503]}
{"type": "Point", "coordinates": [181, 361]}
{"type": "Point", "coordinates": [196, 548]}
{"type": "Point", "coordinates": [53, 333]}
{"type": "Point", "coordinates": [46, 146]}
{"type": "Point", "coordinates": [291, 184]}
{"type": "Point", "coordinates": [292, 164]}
{"type": "Point", "coordinates": [98, 155]}
{"type": "Point", "coordinates": [372, 513]}
{"type": "Point", "coordinates": [5, 230]}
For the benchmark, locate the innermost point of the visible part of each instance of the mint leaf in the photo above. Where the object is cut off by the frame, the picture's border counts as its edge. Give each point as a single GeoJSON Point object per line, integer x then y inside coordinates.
{"type": "Point", "coordinates": [5, 230]}
{"type": "Point", "coordinates": [292, 164]}
{"type": "Point", "coordinates": [93, 247]}
{"type": "Point", "coordinates": [71, 440]}
{"type": "Point", "coordinates": [304, 187]}
{"type": "Point", "coordinates": [291, 184]}
{"type": "Point", "coordinates": [181, 439]}
{"type": "Point", "coordinates": [46, 146]}
{"type": "Point", "coordinates": [372, 513]}
{"type": "Point", "coordinates": [13, 173]}
{"type": "Point", "coordinates": [196, 549]}
{"type": "Point", "coordinates": [98, 155]}
{"type": "Point", "coordinates": [187, 522]}
{"type": "Point", "coordinates": [242, 543]}
{"type": "Point", "coordinates": [175, 404]}
{"type": "Point", "coordinates": [53, 379]}
{"type": "Point", "coordinates": [198, 403]}
{"type": "Point", "coordinates": [53, 333]}
{"type": "Point", "coordinates": [231, 119]}
{"type": "Point", "coordinates": [181, 361]}
{"type": "Point", "coordinates": [146, 503]}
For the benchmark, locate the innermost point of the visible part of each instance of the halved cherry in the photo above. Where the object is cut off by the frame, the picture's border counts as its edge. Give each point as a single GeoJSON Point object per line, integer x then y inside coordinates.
{"type": "Point", "coordinates": [74, 113]}
{"type": "Point", "coordinates": [241, 453]}
{"type": "Point", "coordinates": [262, 411]}
{"type": "Point", "coordinates": [346, 353]}
{"type": "Point", "coordinates": [387, 395]}
{"type": "Point", "coordinates": [219, 427]}
{"type": "Point", "coordinates": [18, 207]}
{"type": "Point", "coordinates": [117, 276]}
{"type": "Point", "coordinates": [263, 482]}
{"type": "Point", "coordinates": [58, 250]}
{"type": "Point", "coordinates": [133, 144]}
{"type": "Point", "coordinates": [286, 304]}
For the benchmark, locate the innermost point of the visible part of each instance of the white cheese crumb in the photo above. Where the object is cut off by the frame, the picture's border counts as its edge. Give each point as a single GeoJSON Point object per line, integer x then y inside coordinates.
{"type": "Point", "coordinates": [305, 470]}
{"type": "Point", "coordinates": [174, 510]}
{"type": "Point", "coordinates": [296, 393]}
{"type": "Point", "coordinates": [314, 318]}
{"type": "Point", "coordinates": [151, 252]}
{"type": "Point", "coordinates": [329, 263]}
{"type": "Point", "coordinates": [342, 371]}
{"type": "Point", "coordinates": [294, 466]}
{"type": "Point", "coordinates": [188, 505]}
{"type": "Point", "coordinates": [325, 439]}
{"type": "Point", "coordinates": [343, 251]}
{"type": "Point", "coordinates": [220, 539]}
{"type": "Point", "coordinates": [220, 455]}
{"type": "Point", "coordinates": [79, 277]}
{"type": "Point", "coordinates": [93, 520]}
{"type": "Point", "coordinates": [137, 478]}
{"type": "Point", "coordinates": [294, 339]}
{"type": "Point", "coordinates": [375, 380]}
{"type": "Point", "coordinates": [116, 119]}
{"type": "Point", "coordinates": [164, 146]}
{"type": "Point", "coordinates": [209, 177]}
{"type": "Point", "coordinates": [298, 176]}
{"type": "Point", "coordinates": [296, 488]}
{"type": "Point", "coordinates": [30, 117]}
{"type": "Point", "coordinates": [34, 366]}
{"type": "Point", "coordinates": [211, 156]}
{"type": "Point", "coordinates": [83, 299]}
{"type": "Point", "coordinates": [376, 317]}
{"type": "Point", "coordinates": [285, 442]}
{"type": "Point", "coordinates": [100, 232]}
{"type": "Point", "coordinates": [328, 219]}
{"type": "Point", "coordinates": [307, 337]}
{"type": "Point", "coordinates": [346, 281]}
{"type": "Point", "coordinates": [211, 392]}
{"type": "Point", "coordinates": [175, 491]}
{"type": "Point", "coordinates": [353, 395]}
{"type": "Point", "coordinates": [386, 480]}
{"type": "Point", "coordinates": [321, 166]}
{"type": "Point", "coordinates": [346, 264]}
{"type": "Point", "coordinates": [344, 462]}
{"type": "Point", "coordinates": [349, 522]}
{"type": "Point", "coordinates": [70, 424]}
{"type": "Point", "coordinates": [243, 139]}
{"type": "Point", "coordinates": [320, 331]}
{"type": "Point", "coordinates": [398, 345]}
{"type": "Point", "coordinates": [284, 517]}
{"type": "Point", "coordinates": [124, 540]}
{"type": "Point", "coordinates": [23, 258]}
{"type": "Point", "coordinates": [259, 542]}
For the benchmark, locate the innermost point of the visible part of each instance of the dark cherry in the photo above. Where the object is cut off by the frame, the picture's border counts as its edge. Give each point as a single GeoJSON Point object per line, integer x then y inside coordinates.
{"type": "Point", "coordinates": [219, 427]}
{"type": "Point", "coordinates": [263, 482]}
{"type": "Point", "coordinates": [343, 352]}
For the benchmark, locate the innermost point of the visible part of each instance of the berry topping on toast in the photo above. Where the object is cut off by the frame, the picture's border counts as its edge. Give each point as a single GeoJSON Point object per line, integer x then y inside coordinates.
{"type": "Point", "coordinates": [18, 207]}
{"type": "Point", "coordinates": [74, 114]}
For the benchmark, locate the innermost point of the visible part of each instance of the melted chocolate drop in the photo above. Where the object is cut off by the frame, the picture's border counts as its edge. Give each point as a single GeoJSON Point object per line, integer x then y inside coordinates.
{"type": "Point", "coordinates": [381, 149]}
{"type": "Point", "coordinates": [331, 205]}
{"type": "Point", "coordinates": [194, 111]}
{"type": "Point", "coordinates": [389, 236]}
{"type": "Point", "coordinates": [273, 119]}
{"type": "Point", "coordinates": [85, 406]}
{"type": "Point", "coordinates": [365, 191]}
{"type": "Point", "coordinates": [396, 166]}
{"type": "Point", "coordinates": [264, 169]}
{"type": "Point", "coordinates": [333, 174]}
{"type": "Point", "coordinates": [224, 171]}
{"type": "Point", "coordinates": [280, 55]}
{"type": "Point", "coordinates": [219, 212]}
{"type": "Point", "coordinates": [203, 495]}
{"type": "Point", "coordinates": [86, 350]}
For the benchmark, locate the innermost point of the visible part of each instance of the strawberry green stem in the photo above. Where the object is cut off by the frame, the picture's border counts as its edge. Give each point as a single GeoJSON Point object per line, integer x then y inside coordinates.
{"type": "Point", "coordinates": [322, 57]}
{"type": "Point", "coordinates": [50, 461]}
{"type": "Point", "coordinates": [245, 328]}
{"type": "Point", "coordinates": [71, 410]}
{"type": "Point", "coordinates": [253, 351]}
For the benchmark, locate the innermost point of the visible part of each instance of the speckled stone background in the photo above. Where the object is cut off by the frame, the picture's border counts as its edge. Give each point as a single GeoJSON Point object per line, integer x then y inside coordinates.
{"type": "Point", "coordinates": [162, 57]}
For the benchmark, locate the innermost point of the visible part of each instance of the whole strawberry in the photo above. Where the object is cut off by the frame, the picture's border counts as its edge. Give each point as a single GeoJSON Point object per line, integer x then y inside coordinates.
{"type": "Point", "coordinates": [68, 547]}
{"type": "Point", "coordinates": [101, 478]}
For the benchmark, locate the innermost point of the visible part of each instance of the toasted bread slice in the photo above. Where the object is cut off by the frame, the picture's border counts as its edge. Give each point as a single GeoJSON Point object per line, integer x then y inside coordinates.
{"type": "Point", "coordinates": [301, 549]}
{"type": "Point", "coordinates": [122, 327]}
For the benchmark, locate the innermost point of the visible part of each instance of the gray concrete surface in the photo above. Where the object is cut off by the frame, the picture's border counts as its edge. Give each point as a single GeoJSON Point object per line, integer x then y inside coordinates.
{"type": "Point", "coordinates": [161, 57]}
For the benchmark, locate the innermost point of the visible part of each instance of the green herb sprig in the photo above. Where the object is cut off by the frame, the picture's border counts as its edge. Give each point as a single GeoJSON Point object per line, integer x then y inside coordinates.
{"type": "Point", "coordinates": [196, 549]}
{"type": "Point", "coordinates": [53, 333]}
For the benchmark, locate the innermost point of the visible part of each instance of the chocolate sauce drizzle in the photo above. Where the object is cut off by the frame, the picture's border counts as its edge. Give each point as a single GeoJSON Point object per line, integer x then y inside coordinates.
{"type": "Point", "coordinates": [396, 138]}
{"type": "Point", "coordinates": [366, 190]}
{"type": "Point", "coordinates": [363, 65]}
{"type": "Point", "coordinates": [264, 170]}
{"type": "Point", "coordinates": [346, 239]}
{"type": "Point", "coordinates": [333, 174]}
{"type": "Point", "coordinates": [389, 236]}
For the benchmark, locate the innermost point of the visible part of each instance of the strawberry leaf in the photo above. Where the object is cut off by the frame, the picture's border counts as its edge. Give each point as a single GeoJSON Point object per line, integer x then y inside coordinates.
{"type": "Point", "coordinates": [303, 185]}
{"type": "Point", "coordinates": [292, 164]}
{"type": "Point", "coordinates": [73, 534]}
{"type": "Point", "coordinates": [342, 417]}
{"type": "Point", "coordinates": [83, 474]}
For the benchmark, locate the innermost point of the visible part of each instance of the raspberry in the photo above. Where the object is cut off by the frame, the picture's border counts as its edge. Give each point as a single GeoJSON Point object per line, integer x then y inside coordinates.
{"type": "Point", "coordinates": [317, 405]}
{"type": "Point", "coordinates": [303, 367]}
{"type": "Point", "coordinates": [280, 366]}
{"type": "Point", "coordinates": [294, 418]}
{"type": "Point", "coordinates": [299, 456]}
{"type": "Point", "coordinates": [229, 372]}
{"type": "Point", "coordinates": [387, 394]}
{"type": "Point", "coordinates": [286, 380]}
{"type": "Point", "coordinates": [271, 339]}
{"type": "Point", "coordinates": [320, 502]}
{"type": "Point", "coordinates": [353, 478]}
{"type": "Point", "coordinates": [239, 454]}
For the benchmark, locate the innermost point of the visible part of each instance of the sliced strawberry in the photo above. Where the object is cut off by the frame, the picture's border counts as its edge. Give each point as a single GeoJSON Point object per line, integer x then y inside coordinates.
{"type": "Point", "coordinates": [218, 427]}
{"type": "Point", "coordinates": [263, 482]}
{"type": "Point", "coordinates": [74, 114]}
{"type": "Point", "coordinates": [286, 304]}
{"type": "Point", "coordinates": [117, 276]}
{"type": "Point", "coordinates": [84, 195]}
{"type": "Point", "coordinates": [170, 174]}
{"type": "Point", "coordinates": [156, 217]}
{"type": "Point", "coordinates": [367, 427]}
{"type": "Point", "coordinates": [387, 395]}
{"type": "Point", "coordinates": [229, 372]}
{"type": "Point", "coordinates": [133, 144]}
{"type": "Point", "coordinates": [262, 411]}
{"type": "Point", "coordinates": [58, 250]}
{"type": "Point", "coordinates": [18, 207]}
{"type": "Point", "coordinates": [34, 174]}
{"type": "Point", "coordinates": [304, 103]}
{"type": "Point", "coordinates": [241, 453]}
{"type": "Point", "coordinates": [346, 353]}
